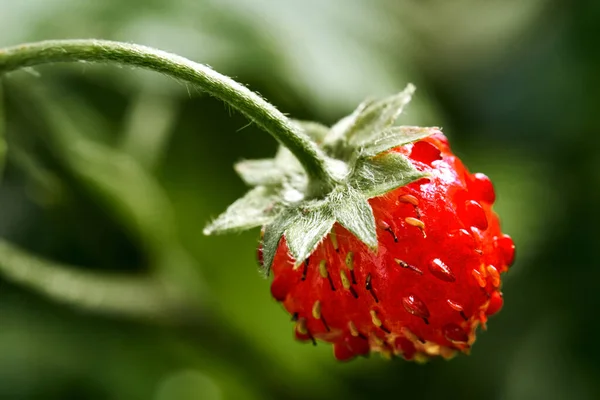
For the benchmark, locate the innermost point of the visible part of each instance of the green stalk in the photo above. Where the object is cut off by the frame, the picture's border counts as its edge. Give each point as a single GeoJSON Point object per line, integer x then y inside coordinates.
{"type": "Point", "coordinates": [101, 292]}
{"type": "Point", "coordinates": [253, 106]}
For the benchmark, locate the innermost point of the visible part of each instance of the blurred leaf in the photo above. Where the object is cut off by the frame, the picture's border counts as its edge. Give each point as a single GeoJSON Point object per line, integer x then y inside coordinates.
{"type": "Point", "coordinates": [3, 146]}
{"type": "Point", "coordinates": [131, 193]}
{"type": "Point", "coordinates": [112, 174]}
{"type": "Point", "coordinates": [148, 128]}
{"type": "Point", "coordinates": [333, 54]}
{"type": "Point", "coordinates": [327, 63]}
{"type": "Point", "coordinates": [532, 362]}
{"type": "Point", "coordinates": [479, 31]}
{"type": "Point", "coordinates": [45, 186]}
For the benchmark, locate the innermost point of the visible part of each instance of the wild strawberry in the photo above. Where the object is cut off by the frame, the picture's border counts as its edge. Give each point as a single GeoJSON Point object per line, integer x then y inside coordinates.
{"type": "Point", "coordinates": [403, 257]}
{"type": "Point", "coordinates": [434, 279]}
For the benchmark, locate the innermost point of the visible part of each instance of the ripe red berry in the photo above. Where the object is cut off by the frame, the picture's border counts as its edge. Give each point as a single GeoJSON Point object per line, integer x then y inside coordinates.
{"type": "Point", "coordinates": [433, 280]}
{"type": "Point", "coordinates": [389, 244]}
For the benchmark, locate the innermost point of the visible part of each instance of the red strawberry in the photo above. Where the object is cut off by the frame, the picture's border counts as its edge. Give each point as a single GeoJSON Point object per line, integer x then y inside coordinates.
{"type": "Point", "coordinates": [393, 247]}
{"type": "Point", "coordinates": [434, 279]}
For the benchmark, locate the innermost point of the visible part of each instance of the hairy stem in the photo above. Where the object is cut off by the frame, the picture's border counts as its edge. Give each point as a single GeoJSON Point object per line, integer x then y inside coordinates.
{"type": "Point", "coordinates": [222, 87]}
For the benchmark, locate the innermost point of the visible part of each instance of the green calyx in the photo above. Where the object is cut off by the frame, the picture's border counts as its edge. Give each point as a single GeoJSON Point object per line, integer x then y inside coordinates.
{"type": "Point", "coordinates": [285, 201]}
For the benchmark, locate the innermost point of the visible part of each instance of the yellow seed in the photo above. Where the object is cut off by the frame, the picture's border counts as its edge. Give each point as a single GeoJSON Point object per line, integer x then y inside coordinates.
{"type": "Point", "coordinates": [323, 269]}
{"type": "Point", "coordinates": [401, 263]}
{"type": "Point", "coordinates": [316, 311]}
{"type": "Point", "coordinates": [474, 327]}
{"type": "Point", "coordinates": [378, 341]}
{"type": "Point", "coordinates": [494, 274]}
{"type": "Point", "coordinates": [483, 271]}
{"type": "Point", "coordinates": [345, 280]}
{"type": "Point", "coordinates": [480, 279]}
{"type": "Point", "coordinates": [375, 318]}
{"type": "Point", "coordinates": [432, 349]}
{"type": "Point", "coordinates": [350, 260]}
{"type": "Point", "coordinates": [415, 222]}
{"type": "Point", "coordinates": [384, 225]}
{"type": "Point", "coordinates": [483, 319]}
{"type": "Point", "coordinates": [447, 352]}
{"type": "Point", "coordinates": [407, 198]}
{"type": "Point", "coordinates": [409, 334]}
{"type": "Point", "coordinates": [353, 330]}
{"type": "Point", "coordinates": [334, 241]}
{"type": "Point", "coordinates": [454, 305]}
{"type": "Point", "coordinates": [386, 353]}
{"type": "Point", "coordinates": [301, 326]}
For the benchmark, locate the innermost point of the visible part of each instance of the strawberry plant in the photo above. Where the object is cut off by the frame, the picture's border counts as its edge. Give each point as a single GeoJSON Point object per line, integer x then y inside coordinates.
{"type": "Point", "coordinates": [378, 237]}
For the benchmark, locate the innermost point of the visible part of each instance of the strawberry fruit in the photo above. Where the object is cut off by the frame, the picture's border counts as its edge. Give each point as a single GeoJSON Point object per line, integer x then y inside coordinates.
{"type": "Point", "coordinates": [403, 258]}
{"type": "Point", "coordinates": [435, 278]}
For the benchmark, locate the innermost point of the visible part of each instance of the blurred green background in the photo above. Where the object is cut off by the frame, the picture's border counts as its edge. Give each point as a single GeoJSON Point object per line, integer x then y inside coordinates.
{"type": "Point", "coordinates": [111, 174]}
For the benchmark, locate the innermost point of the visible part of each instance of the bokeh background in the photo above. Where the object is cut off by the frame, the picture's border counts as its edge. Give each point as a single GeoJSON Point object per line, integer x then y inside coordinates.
{"type": "Point", "coordinates": [111, 174]}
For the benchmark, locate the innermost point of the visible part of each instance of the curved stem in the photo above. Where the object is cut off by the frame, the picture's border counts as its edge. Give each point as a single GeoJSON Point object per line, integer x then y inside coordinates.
{"type": "Point", "coordinates": [95, 291]}
{"type": "Point", "coordinates": [238, 96]}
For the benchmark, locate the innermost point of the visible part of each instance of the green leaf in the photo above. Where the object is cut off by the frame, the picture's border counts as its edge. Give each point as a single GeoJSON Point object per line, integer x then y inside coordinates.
{"type": "Point", "coordinates": [303, 227]}
{"type": "Point", "coordinates": [258, 207]}
{"type": "Point", "coordinates": [354, 213]}
{"type": "Point", "coordinates": [44, 185]}
{"type": "Point", "coordinates": [127, 192]}
{"type": "Point", "coordinates": [307, 228]}
{"type": "Point", "coordinates": [260, 172]}
{"type": "Point", "coordinates": [379, 115]}
{"type": "Point", "coordinates": [394, 137]}
{"type": "Point", "coordinates": [284, 168]}
{"type": "Point", "coordinates": [116, 179]}
{"type": "Point", "coordinates": [314, 130]}
{"type": "Point", "coordinates": [339, 131]}
{"type": "Point", "coordinates": [378, 175]}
